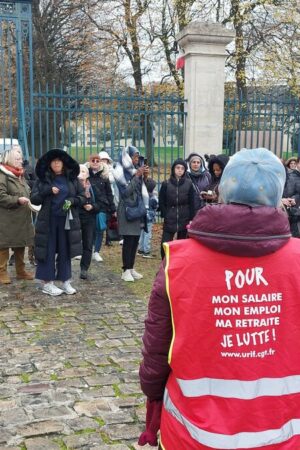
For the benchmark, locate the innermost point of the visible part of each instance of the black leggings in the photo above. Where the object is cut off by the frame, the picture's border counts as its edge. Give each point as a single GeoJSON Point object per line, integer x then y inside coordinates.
{"type": "Point", "coordinates": [130, 245]}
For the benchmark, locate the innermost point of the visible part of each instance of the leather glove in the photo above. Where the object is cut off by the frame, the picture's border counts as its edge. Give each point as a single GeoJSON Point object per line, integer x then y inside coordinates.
{"type": "Point", "coordinates": [149, 436]}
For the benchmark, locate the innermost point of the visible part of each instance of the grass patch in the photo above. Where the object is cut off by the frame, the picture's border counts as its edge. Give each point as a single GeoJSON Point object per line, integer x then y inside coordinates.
{"type": "Point", "coordinates": [106, 439]}
{"type": "Point", "coordinates": [160, 154]}
{"type": "Point", "coordinates": [68, 365]}
{"type": "Point", "coordinates": [61, 444]}
{"type": "Point", "coordinates": [99, 421]}
{"type": "Point", "coordinates": [117, 391]}
{"type": "Point", "coordinates": [91, 343]}
{"type": "Point", "coordinates": [86, 431]}
{"type": "Point", "coordinates": [25, 377]}
{"type": "Point", "coordinates": [53, 377]}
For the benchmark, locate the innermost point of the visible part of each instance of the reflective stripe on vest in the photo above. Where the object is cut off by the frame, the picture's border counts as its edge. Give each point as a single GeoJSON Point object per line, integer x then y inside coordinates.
{"type": "Point", "coordinates": [244, 390]}
{"type": "Point", "coordinates": [245, 440]}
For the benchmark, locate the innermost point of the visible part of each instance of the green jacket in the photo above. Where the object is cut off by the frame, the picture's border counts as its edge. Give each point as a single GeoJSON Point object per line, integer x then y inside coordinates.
{"type": "Point", "coordinates": [16, 229]}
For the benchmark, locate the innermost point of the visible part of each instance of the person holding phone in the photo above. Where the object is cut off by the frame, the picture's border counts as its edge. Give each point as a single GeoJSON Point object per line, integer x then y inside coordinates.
{"type": "Point", "coordinates": [200, 178]}
{"type": "Point", "coordinates": [130, 174]}
{"type": "Point", "coordinates": [216, 165]}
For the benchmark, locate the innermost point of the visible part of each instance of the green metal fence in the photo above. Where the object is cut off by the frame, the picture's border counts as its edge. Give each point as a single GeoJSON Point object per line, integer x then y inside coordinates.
{"type": "Point", "coordinates": [16, 76]}
{"type": "Point", "coordinates": [85, 122]}
{"type": "Point", "coordinates": [265, 119]}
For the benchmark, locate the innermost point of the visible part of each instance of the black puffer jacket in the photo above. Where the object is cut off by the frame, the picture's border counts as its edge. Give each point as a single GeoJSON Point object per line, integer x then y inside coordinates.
{"type": "Point", "coordinates": [42, 195]}
{"type": "Point", "coordinates": [292, 188]}
{"type": "Point", "coordinates": [102, 189]}
{"type": "Point", "coordinates": [176, 201]}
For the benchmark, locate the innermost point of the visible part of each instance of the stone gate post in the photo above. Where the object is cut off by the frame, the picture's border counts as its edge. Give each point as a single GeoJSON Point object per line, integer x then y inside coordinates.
{"type": "Point", "coordinates": [204, 48]}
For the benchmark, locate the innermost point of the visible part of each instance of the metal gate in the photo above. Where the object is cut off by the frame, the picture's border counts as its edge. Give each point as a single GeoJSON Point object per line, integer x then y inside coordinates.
{"type": "Point", "coordinates": [85, 121]}
{"type": "Point", "coordinates": [16, 72]}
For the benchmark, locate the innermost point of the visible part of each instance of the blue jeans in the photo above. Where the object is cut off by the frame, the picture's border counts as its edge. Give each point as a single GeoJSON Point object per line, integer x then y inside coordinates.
{"type": "Point", "coordinates": [98, 240]}
{"type": "Point", "coordinates": [145, 239]}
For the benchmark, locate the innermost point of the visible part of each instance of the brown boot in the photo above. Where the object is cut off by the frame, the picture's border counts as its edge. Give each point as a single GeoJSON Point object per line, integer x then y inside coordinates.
{"type": "Point", "coordinates": [25, 276]}
{"type": "Point", "coordinates": [4, 278]}
{"type": "Point", "coordinates": [20, 265]}
{"type": "Point", "coordinates": [4, 255]}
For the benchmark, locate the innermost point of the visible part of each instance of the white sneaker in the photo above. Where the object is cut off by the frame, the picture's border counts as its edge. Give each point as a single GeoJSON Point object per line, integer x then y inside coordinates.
{"type": "Point", "coordinates": [121, 242]}
{"type": "Point", "coordinates": [78, 257]}
{"type": "Point", "coordinates": [68, 289]}
{"type": "Point", "coordinates": [97, 257]}
{"type": "Point", "coordinates": [51, 289]}
{"type": "Point", "coordinates": [126, 275]}
{"type": "Point", "coordinates": [136, 275]}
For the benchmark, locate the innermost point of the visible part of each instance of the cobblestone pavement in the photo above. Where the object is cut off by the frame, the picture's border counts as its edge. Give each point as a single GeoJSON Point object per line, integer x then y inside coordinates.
{"type": "Point", "coordinates": [69, 366]}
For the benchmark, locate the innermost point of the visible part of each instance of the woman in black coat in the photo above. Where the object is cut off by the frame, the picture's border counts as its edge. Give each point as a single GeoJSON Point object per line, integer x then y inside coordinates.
{"type": "Point", "coordinates": [176, 203]}
{"type": "Point", "coordinates": [57, 229]}
{"type": "Point", "coordinates": [216, 165]}
{"type": "Point", "coordinates": [99, 179]}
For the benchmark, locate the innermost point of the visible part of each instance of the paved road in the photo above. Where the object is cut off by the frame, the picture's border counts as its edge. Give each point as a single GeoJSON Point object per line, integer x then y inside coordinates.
{"type": "Point", "coordinates": [69, 366]}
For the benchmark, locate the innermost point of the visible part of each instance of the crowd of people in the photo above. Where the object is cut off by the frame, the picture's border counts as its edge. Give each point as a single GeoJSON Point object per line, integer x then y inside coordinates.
{"type": "Point", "coordinates": [203, 390]}
{"type": "Point", "coordinates": [77, 201]}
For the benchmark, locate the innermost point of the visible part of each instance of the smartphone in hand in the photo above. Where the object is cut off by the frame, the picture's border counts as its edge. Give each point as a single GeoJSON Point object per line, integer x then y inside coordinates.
{"type": "Point", "coordinates": [207, 194]}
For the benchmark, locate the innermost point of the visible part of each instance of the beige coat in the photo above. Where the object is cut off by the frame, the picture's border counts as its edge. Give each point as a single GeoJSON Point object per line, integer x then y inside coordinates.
{"type": "Point", "coordinates": [16, 229]}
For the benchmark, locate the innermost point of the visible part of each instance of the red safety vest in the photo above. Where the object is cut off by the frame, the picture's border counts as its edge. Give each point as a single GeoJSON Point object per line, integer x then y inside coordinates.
{"type": "Point", "coordinates": [235, 352]}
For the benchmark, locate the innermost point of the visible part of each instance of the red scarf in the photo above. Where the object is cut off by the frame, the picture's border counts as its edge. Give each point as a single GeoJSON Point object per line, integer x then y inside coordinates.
{"type": "Point", "coordinates": [16, 171]}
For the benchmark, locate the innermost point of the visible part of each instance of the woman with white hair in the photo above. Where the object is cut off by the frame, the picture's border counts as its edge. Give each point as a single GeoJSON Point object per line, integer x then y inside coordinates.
{"type": "Point", "coordinates": [16, 229]}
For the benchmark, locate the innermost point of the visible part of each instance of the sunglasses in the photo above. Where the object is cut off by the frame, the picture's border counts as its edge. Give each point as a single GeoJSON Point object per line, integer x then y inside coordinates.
{"type": "Point", "coordinates": [95, 160]}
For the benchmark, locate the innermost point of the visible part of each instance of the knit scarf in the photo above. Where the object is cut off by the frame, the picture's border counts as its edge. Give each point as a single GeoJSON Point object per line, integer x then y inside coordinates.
{"type": "Point", "coordinates": [124, 172]}
{"type": "Point", "coordinates": [18, 172]}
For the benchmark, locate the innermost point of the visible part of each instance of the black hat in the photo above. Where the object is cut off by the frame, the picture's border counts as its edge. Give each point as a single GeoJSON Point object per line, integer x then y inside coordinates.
{"type": "Point", "coordinates": [70, 165]}
{"type": "Point", "coordinates": [180, 162]}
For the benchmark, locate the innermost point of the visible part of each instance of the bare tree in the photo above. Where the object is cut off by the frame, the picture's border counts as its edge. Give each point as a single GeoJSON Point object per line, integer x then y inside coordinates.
{"type": "Point", "coordinates": [65, 45]}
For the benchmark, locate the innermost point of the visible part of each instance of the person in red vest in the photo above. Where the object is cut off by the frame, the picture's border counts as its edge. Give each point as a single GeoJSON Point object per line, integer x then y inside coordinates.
{"type": "Point", "coordinates": [221, 355]}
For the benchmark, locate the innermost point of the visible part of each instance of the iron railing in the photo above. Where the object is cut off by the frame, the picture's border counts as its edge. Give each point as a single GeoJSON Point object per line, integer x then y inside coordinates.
{"type": "Point", "coordinates": [87, 121]}
{"type": "Point", "coordinates": [265, 119]}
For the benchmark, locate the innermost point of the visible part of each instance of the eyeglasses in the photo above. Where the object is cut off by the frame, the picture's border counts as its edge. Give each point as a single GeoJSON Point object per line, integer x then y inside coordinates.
{"type": "Point", "coordinates": [95, 160]}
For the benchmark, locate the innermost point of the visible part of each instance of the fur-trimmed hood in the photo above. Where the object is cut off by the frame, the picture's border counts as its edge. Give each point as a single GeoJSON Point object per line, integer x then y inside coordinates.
{"type": "Point", "coordinates": [70, 165]}
{"type": "Point", "coordinates": [103, 169]}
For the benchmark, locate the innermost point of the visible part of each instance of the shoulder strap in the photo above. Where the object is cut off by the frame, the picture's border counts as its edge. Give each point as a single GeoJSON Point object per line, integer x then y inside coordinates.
{"type": "Point", "coordinates": [194, 184]}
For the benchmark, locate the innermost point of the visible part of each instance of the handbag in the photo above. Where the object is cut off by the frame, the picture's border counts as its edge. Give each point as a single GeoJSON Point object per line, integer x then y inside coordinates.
{"type": "Point", "coordinates": [112, 229]}
{"type": "Point", "coordinates": [101, 224]}
{"type": "Point", "coordinates": [137, 211]}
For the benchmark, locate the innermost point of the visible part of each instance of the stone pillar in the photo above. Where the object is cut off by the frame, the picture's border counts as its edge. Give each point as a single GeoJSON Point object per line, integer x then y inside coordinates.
{"type": "Point", "coordinates": [204, 72]}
